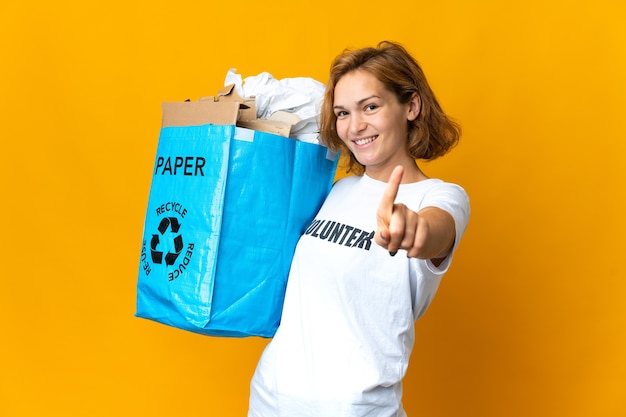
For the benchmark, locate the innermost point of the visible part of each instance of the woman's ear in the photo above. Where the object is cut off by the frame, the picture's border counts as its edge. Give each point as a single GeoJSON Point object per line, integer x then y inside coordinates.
{"type": "Point", "coordinates": [415, 106]}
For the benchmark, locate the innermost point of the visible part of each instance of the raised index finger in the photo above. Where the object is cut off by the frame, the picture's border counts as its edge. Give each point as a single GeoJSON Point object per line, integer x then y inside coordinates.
{"type": "Point", "coordinates": [385, 208]}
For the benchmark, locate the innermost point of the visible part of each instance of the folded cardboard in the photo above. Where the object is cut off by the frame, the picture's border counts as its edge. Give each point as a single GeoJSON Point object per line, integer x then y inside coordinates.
{"type": "Point", "coordinates": [198, 113]}
{"type": "Point", "coordinates": [228, 94]}
{"type": "Point", "coordinates": [219, 112]}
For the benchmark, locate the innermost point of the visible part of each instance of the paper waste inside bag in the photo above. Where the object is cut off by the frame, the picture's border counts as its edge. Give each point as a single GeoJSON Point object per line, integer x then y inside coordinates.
{"type": "Point", "coordinates": [300, 96]}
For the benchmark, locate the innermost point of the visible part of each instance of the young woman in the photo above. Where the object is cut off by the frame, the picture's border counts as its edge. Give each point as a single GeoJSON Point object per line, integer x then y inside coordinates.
{"type": "Point", "coordinates": [371, 261]}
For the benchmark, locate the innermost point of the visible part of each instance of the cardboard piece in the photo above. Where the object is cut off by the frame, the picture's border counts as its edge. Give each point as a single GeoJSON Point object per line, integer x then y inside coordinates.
{"type": "Point", "coordinates": [228, 94]}
{"type": "Point", "coordinates": [199, 113]}
{"type": "Point", "coordinates": [280, 123]}
{"type": "Point", "coordinates": [277, 127]}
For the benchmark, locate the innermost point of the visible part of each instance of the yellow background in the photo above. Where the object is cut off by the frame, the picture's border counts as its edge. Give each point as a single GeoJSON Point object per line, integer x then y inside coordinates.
{"type": "Point", "coordinates": [531, 319]}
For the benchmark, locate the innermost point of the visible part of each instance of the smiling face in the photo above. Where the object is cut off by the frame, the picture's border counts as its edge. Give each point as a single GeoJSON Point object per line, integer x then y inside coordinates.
{"type": "Point", "coordinates": [373, 124]}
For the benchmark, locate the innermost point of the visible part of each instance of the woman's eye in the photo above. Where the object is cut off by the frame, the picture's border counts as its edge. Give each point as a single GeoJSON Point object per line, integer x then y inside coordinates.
{"type": "Point", "coordinates": [371, 107]}
{"type": "Point", "coordinates": [341, 113]}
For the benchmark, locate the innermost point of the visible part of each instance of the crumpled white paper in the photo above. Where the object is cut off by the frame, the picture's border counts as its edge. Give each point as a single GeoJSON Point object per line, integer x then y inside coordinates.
{"type": "Point", "coordinates": [300, 95]}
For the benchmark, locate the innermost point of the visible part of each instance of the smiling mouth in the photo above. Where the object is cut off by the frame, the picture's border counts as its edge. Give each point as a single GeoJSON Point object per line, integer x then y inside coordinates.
{"type": "Point", "coordinates": [365, 141]}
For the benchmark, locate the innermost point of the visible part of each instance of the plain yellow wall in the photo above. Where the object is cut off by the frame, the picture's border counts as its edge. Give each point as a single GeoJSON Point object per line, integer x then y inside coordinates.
{"type": "Point", "coordinates": [530, 321]}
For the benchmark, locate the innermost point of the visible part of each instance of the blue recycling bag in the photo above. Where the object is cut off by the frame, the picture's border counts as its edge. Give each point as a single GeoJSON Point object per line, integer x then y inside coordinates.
{"type": "Point", "coordinates": [227, 206]}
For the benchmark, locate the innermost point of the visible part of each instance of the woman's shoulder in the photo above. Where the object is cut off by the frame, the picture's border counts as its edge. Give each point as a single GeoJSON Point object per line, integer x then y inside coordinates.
{"type": "Point", "coordinates": [433, 192]}
{"type": "Point", "coordinates": [347, 181]}
{"type": "Point", "coordinates": [439, 184]}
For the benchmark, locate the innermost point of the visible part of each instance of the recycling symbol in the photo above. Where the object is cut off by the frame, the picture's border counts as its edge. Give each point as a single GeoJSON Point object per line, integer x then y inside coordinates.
{"type": "Point", "coordinates": [168, 227]}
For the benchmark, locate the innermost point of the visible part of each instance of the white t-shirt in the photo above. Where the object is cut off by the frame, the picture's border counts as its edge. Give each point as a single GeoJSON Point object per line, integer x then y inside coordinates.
{"type": "Point", "coordinates": [347, 328]}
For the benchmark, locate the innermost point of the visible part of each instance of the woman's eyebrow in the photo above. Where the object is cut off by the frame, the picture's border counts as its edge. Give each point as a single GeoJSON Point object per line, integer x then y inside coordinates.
{"type": "Point", "coordinates": [360, 102]}
{"type": "Point", "coordinates": [366, 99]}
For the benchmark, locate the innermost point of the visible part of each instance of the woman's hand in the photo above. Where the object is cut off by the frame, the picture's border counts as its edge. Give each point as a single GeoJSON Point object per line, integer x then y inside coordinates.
{"type": "Point", "coordinates": [427, 234]}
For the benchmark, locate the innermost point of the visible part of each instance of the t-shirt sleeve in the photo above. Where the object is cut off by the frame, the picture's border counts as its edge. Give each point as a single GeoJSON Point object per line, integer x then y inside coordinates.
{"type": "Point", "coordinates": [454, 200]}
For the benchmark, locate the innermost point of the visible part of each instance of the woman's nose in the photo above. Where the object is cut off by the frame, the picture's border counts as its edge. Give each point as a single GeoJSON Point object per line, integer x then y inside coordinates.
{"type": "Point", "coordinates": [357, 124]}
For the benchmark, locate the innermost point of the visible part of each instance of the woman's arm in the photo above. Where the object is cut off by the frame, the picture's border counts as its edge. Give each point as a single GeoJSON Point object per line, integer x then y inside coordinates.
{"type": "Point", "coordinates": [427, 234]}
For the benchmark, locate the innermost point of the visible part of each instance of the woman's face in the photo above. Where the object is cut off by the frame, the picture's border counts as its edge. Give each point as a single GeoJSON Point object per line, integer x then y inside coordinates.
{"type": "Point", "coordinates": [372, 123]}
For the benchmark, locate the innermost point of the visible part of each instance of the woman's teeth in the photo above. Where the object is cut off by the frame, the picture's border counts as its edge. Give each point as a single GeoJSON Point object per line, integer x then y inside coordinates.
{"type": "Point", "coordinates": [365, 140]}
